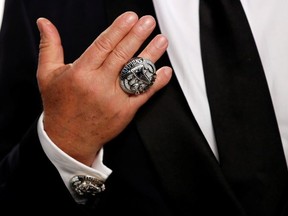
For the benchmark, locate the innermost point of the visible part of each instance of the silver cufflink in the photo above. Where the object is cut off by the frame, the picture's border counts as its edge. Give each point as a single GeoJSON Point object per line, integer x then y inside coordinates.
{"type": "Point", "coordinates": [84, 185]}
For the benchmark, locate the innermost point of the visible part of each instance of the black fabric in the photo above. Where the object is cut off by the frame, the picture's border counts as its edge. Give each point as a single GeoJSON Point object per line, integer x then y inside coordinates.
{"type": "Point", "coordinates": [162, 163]}
{"type": "Point", "coordinates": [246, 130]}
{"type": "Point", "coordinates": [24, 177]}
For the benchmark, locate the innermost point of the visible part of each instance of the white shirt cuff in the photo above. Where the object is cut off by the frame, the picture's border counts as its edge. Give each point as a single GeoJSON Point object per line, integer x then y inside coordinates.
{"type": "Point", "coordinates": [68, 166]}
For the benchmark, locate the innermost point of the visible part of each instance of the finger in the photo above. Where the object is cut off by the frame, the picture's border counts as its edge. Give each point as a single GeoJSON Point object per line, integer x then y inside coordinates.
{"type": "Point", "coordinates": [164, 75]}
{"type": "Point", "coordinates": [104, 44]}
{"type": "Point", "coordinates": [50, 48]}
{"type": "Point", "coordinates": [153, 52]}
{"type": "Point", "coordinates": [155, 48]}
{"type": "Point", "coordinates": [127, 48]}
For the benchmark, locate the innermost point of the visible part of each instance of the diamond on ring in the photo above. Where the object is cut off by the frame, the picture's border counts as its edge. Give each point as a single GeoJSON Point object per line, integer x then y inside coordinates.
{"type": "Point", "coordinates": [137, 75]}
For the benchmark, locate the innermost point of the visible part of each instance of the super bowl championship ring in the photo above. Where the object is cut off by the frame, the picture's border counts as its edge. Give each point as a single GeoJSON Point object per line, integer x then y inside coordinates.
{"type": "Point", "coordinates": [137, 76]}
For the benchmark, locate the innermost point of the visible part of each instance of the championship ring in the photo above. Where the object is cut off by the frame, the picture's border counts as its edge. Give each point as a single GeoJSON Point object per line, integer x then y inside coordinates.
{"type": "Point", "coordinates": [137, 75]}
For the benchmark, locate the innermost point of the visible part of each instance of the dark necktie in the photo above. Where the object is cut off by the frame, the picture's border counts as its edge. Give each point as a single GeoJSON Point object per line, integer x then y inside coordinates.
{"type": "Point", "coordinates": [250, 150]}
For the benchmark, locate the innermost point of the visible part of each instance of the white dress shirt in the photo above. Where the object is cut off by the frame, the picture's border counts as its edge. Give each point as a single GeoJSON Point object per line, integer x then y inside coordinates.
{"type": "Point", "coordinates": [179, 21]}
{"type": "Point", "coordinates": [1, 11]}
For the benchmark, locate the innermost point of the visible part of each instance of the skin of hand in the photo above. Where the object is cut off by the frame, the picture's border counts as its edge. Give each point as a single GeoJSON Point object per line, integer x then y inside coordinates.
{"type": "Point", "coordinates": [84, 105]}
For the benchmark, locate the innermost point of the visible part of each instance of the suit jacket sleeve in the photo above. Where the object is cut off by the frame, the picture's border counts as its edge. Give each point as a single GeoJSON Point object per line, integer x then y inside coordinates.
{"type": "Point", "coordinates": [20, 99]}
{"type": "Point", "coordinates": [25, 171]}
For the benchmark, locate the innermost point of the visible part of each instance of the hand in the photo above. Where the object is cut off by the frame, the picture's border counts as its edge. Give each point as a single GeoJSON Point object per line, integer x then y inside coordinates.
{"type": "Point", "coordinates": [84, 105]}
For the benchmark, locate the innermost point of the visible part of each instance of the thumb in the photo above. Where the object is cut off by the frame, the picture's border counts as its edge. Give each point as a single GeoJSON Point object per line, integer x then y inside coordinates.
{"type": "Point", "coordinates": [50, 49]}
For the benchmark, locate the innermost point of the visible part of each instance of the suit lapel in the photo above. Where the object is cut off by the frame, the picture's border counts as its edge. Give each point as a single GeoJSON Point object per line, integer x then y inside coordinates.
{"type": "Point", "coordinates": [179, 150]}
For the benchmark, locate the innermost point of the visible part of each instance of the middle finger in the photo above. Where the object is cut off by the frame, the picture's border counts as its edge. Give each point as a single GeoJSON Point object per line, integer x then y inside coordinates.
{"type": "Point", "coordinates": [130, 44]}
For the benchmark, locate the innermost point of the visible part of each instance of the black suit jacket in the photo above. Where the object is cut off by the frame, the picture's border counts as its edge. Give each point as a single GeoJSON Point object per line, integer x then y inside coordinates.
{"type": "Point", "coordinates": [162, 163]}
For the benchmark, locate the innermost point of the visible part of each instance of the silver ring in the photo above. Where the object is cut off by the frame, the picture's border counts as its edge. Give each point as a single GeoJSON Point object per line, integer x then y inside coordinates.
{"type": "Point", "coordinates": [137, 75]}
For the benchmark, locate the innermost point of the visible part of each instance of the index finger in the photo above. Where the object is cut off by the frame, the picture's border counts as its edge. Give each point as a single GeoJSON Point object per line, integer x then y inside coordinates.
{"type": "Point", "coordinates": [103, 45]}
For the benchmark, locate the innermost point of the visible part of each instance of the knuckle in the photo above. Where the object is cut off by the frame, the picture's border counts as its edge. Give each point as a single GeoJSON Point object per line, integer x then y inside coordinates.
{"type": "Point", "coordinates": [103, 44]}
{"type": "Point", "coordinates": [138, 35]}
{"type": "Point", "coordinates": [121, 54]}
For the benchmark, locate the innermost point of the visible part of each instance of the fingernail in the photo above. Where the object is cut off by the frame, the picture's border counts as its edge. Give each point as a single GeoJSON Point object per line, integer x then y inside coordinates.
{"type": "Point", "coordinates": [130, 17]}
{"type": "Point", "coordinates": [161, 42]}
{"type": "Point", "coordinates": [168, 71]}
{"type": "Point", "coordinates": [45, 22]}
{"type": "Point", "coordinates": [147, 22]}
